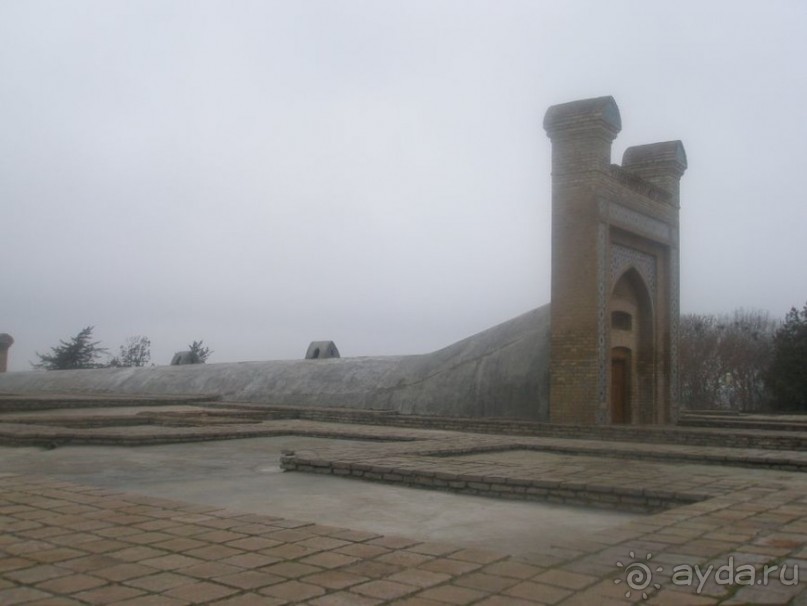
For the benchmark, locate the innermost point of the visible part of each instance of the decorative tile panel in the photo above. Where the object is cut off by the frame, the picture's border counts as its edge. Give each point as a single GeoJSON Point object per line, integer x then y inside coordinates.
{"type": "Point", "coordinates": [623, 258]}
{"type": "Point", "coordinates": [602, 304]}
{"type": "Point", "coordinates": [675, 294]}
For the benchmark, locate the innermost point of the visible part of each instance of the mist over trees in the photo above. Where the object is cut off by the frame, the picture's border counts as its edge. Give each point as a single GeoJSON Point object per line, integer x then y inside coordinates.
{"type": "Point", "coordinates": [744, 361]}
{"type": "Point", "coordinates": [723, 360]}
{"type": "Point", "coordinates": [81, 352]}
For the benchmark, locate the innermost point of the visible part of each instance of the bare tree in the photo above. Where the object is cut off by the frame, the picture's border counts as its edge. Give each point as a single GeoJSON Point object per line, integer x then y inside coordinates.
{"type": "Point", "coordinates": [723, 359]}
{"type": "Point", "coordinates": [746, 350]}
{"type": "Point", "coordinates": [700, 366]}
{"type": "Point", "coordinates": [135, 352]}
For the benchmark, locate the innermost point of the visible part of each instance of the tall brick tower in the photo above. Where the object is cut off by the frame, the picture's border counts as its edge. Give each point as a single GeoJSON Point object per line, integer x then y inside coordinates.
{"type": "Point", "coordinates": [615, 282]}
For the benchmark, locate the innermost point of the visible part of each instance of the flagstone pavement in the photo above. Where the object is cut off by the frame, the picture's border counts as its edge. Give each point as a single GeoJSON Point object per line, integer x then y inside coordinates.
{"type": "Point", "coordinates": [63, 543]}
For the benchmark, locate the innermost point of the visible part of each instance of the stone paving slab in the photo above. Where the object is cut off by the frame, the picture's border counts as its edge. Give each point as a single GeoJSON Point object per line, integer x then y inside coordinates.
{"type": "Point", "coordinates": [65, 543]}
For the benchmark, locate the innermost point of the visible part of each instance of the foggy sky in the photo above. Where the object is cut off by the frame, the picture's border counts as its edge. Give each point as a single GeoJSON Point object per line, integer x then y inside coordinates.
{"type": "Point", "coordinates": [263, 174]}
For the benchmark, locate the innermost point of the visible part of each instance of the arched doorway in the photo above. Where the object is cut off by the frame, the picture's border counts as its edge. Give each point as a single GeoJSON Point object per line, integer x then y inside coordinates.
{"type": "Point", "coordinates": [632, 379]}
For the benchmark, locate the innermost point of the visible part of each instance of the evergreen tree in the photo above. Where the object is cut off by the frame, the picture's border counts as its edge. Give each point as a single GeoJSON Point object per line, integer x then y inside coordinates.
{"type": "Point", "coordinates": [79, 352]}
{"type": "Point", "coordinates": [787, 377]}
{"type": "Point", "coordinates": [199, 352]}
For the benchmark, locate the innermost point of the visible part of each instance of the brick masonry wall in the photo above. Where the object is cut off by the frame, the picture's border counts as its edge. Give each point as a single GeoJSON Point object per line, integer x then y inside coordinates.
{"type": "Point", "coordinates": [781, 440]}
{"type": "Point", "coordinates": [596, 205]}
{"type": "Point", "coordinates": [621, 499]}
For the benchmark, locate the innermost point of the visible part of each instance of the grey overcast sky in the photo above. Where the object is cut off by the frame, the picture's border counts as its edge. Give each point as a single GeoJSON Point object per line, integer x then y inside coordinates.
{"type": "Point", "coordinates": [262, 174]}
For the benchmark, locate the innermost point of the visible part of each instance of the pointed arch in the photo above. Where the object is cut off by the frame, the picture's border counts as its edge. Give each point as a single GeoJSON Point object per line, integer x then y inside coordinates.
{"type": "Point", "coordinates": [632, 350]}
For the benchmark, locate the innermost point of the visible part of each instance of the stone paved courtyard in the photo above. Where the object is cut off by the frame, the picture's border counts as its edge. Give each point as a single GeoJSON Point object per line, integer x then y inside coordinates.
{"type": "Point", "coordinates": [80, 543]}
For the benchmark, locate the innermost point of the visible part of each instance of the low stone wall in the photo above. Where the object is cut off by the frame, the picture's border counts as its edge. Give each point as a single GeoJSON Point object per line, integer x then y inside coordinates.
{"type": "Point", "coordinates": [568, 493]}
{"type": "Point", "coordinates": [11, 403]}
{"type": "Point", "coordinates": [738, 422]}
{"type": "Point", "coordinates": [523, 427]}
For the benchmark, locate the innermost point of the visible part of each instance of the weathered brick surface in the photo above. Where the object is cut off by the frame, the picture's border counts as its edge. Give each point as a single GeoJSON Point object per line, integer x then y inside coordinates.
{"type": "Point", "coordinates": [595, 208]}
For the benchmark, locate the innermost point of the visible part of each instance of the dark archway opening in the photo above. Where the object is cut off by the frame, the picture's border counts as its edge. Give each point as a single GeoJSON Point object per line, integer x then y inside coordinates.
{"type": "Point", "coordinates": [632, 391]}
